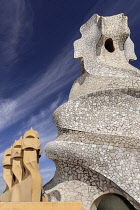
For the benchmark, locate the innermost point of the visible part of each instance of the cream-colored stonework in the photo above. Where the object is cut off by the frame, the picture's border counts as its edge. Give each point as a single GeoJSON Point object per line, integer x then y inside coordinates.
{"type": "Point", "coordinates": [21, 170]}
{"type": "Point", "coordinates": [41, 206]}
{"type": "Point", "coordinates": [7, 175]}
{"type": "Point", "coordinates": [97, 149]}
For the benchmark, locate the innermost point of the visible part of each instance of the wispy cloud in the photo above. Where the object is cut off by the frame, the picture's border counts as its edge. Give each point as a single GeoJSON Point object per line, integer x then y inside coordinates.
{"type": "Point", "coordinates": [42, 122]}
{"type": "Point", "coordinates": [15, 20]}
{"type": "Point", "coordinates": [47, 173]}
{"type": "Point", "coordinates": [6, 112]}
{"type": "Point", "coordinates": [58, 75]}
{"type": "Point", "coordinates": [46, 170]}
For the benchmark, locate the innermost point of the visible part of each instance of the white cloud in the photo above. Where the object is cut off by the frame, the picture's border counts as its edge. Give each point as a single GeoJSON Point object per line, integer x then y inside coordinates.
{"type": "Point", "coordinates": [47, 170]}
{"type": "Point", "coordinates": [47, 174]}
{"type": "Point", "coordinates": [52, 81]}
{"type": "Point", "coordinates": [7, 109]}
{"type": "Point", "coordinates": [42, 122]}
{"type": "Point", "coordinates": [15, 20]}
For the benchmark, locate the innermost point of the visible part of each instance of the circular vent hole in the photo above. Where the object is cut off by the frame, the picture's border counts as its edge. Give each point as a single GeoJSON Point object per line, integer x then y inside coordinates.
{"type": "Point", "coordinates": [109, 45]}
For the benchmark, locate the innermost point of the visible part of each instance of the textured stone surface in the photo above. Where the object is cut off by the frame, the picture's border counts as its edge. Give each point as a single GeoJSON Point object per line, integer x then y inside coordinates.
{"type": "Point", "coordinates": [97, 150]}
{"type": "Point", "coordinates": [21, 170]}
{"type": "Point", "coordinates": [41, 206]}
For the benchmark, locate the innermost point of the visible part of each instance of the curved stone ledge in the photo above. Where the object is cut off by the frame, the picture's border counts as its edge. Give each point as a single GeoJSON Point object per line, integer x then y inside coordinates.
{"type": "Point", "coordinates": [99, 139]}
{"type": "Point", "coordinates": [78, 183]}
{"type": "Point", "coordinates": [111, 112]}
{"type": "Point", "coordinates": [120, 165]}
{"type": "Point", "coordinates": [87, 84]}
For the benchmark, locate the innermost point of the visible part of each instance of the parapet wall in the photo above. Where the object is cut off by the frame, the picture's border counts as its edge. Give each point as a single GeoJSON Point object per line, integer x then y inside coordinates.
{"type": "Point", "coordinates": [41, 206]}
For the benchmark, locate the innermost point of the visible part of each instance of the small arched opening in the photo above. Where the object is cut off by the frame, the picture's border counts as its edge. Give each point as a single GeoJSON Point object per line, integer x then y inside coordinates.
{"type": "Point", "coordinates": [109, 45]}
{"type": "Point", "coordinates": [112, 202]}
{"type": "Point", "coordinates": [115, 202]}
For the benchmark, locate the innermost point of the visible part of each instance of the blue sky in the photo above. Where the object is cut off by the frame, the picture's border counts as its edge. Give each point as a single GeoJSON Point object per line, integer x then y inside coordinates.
{"type": "Point", "coordinates": [37, 68]}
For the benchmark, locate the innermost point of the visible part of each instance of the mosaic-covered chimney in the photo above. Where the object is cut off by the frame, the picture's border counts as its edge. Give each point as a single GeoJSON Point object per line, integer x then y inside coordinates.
{"type": "Point", "coordinates": [96, 152]}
